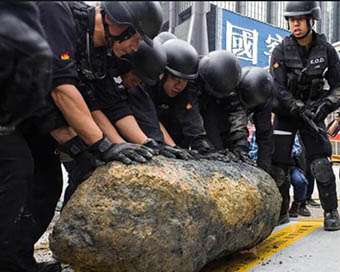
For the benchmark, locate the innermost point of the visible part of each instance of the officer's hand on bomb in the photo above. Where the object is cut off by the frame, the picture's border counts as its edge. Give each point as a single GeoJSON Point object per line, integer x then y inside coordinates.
{"type": "Point", "coordinates": [184, 154]}
{"type": "Point", "coordinates": [216, 156]}
{"type": "Point", "coordinates": [202, 145]}
{"type": "Point", "coordinates": [229, 155]}
{"type": "Point", "coordinates": [168, 151]}
{"type": "Point", "coordinates": [106, 151]}
{"type": "Point", "coordinates": [242, 154]}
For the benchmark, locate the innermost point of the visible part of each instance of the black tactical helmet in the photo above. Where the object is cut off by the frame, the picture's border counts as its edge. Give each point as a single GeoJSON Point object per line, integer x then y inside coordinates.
{"type": "Point", "coordinates": [182, 59]}
{"type": "Point", "coordinates": [145, 17]}
{"type": "Point", "coordinates": [256, 87]}
{"type": "Point", "coordinates": [221, 72]}
{"type": "Point", "coordinates": [149, 62]}
{"type": "Point", "coordinates": [299, 8]}
{"type": "Point", "coordinates": [164, 36]}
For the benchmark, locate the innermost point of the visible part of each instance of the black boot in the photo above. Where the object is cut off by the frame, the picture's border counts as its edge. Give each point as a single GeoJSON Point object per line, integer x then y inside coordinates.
{"type": "Point", "coordinates": [303, 210]}
{"type": "Point", "coordinates": [294, 209]}
{"type": "Point", "coordinates": [312, 202]}
{"type": "Point", "coordinates": [49, 267]}
{"type": "Point", "coordinates": [283, 219]}
{"type": "Point", "coordinates": [331, 221]}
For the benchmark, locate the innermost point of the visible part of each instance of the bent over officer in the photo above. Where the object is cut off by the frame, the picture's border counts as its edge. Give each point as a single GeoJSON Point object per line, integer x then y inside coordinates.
{"type": "Point", "coordinates": [26, 62]}
{"type": "Point", "coordinates": [255, 92]}
{"type": "Point", "coordinates": [73, 30]}
{"type": "Point", "coordinates": [299, 65]}
{"type": "Point", "coordinates": [176, 98]}
{"type": "Point", "coordinates": [118, 26]}
{"type": "Point", "coordinates": [225, 118]}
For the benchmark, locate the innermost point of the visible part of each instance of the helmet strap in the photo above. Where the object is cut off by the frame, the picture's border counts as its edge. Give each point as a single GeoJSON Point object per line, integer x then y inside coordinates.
{"type": "Point", "coordinates": [309, 29]}
{"type": "Point", "coordinates": [108, 36]}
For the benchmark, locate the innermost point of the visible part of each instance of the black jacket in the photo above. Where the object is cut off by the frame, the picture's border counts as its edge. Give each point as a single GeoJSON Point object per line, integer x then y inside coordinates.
{"type": "Point", "coordinates": [180, 115]}
{"type": "Point", "coordinates": [287, 62]}
{"type": "Point", "coordinates": [26, 61]}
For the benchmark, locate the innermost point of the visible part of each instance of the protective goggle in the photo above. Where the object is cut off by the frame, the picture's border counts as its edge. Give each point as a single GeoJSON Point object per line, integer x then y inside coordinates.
{"type": "Point", "coordinates": [127, 34]}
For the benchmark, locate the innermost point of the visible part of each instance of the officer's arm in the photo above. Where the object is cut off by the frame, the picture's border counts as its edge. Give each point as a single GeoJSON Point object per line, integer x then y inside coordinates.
{"type": "Point", "coordinates": [130, 130]}
{"type": "Point", "coordinates": [264, 137]}
{"type": "Point", "coordinates": [167, 138]}
{"type": "Point", "coordinates": [333, 78]}
{"type": "Point", "coordinates": [278, 71]}
{"type": "Point", "coordinates": [72, 105]}
{"type": "Point", "coordinates": [106, 126]}
{"type": "Point", "coordinates": [238, 120]}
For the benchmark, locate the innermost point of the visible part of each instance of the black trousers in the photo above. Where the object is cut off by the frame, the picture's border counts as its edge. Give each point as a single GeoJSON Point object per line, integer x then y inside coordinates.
{"type": "Point", "coordinates": [43, 184]}
{"type": "Point", "coordinates": [316, 146]}
{"type": "Point", "coordinates": [16, 168]}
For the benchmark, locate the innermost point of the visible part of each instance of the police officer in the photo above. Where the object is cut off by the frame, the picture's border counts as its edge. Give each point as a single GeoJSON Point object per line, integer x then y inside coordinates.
{"type": "Point", "coordinates": [225, 118]}
{"type": "Point", "coordinates": [73, 30]}
{"type": "Point", "coordinates": [147, 66]}
{"type": "Point", "coordinates": [176, 98]}
{"type": "Point", "coordinates": [299, 65]}
{"type": "Point", "coordinates": [118, 26]}
{"type": "Point", "coordinates": [256, 94]}
{"type": "Point", "coordinates": [25, 80]}
{"type": "Point", "coordinates": [127, 106]}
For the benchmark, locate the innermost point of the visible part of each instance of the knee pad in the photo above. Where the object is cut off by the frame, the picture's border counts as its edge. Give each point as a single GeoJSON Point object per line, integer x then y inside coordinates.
{"type": "Point", "coordinates": [322, 170]}
{"type": "Point", "coordinates": [278, 174]}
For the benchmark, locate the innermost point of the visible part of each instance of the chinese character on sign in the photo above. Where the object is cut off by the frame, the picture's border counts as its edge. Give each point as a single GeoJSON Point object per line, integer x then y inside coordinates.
{"type": "Point", "coordinates": [242, 42]}
{"type": "Point", "coordinates": [272, 42]}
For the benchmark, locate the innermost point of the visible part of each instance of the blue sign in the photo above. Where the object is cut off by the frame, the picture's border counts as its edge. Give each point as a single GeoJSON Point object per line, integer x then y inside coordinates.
{"type": "Point", "coordinates": [250, 40]}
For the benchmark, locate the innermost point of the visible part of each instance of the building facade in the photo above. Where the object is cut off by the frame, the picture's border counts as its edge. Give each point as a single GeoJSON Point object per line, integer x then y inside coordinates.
{"type": "Point", "coordinates": [270, 12]}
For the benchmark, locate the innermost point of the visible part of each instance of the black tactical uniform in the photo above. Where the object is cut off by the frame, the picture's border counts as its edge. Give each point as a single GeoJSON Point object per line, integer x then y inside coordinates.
{"type": "Point", "coordinates": [225, 121]}
{"type": "Point", "coordinates": [145, 112]}
{"type": "Point", "coordinates": [255, 92]}
{"type": "Point", "coordinates": [91, 71]}
{"type": "Point", "coordinates": [299, 75]}
{"type": "Point", "coordinates": [180, 115]}
{"type": "Point", "coordinates": [25, 81]}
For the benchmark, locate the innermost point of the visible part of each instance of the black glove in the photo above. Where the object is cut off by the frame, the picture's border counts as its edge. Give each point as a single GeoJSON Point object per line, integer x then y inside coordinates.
{"type": "Point", "coordinates": [216, 156]}
{"type": "Point", "coordinates": [202, 145]}
{"type": "Point", "coordinates": [168, 151]}
{"type": "Point", "coordinates": [242, 154]}
{"type": "Point", "coordinates": [106, 151]}
{"type": "Point", "coordinates": [322, 111]}
{"type": "Point", "coordinates": [229, 155]}
{"type": "Point", "coordinates": [181, 153]}
{"type": "Point", "coordinates": [297, 107]}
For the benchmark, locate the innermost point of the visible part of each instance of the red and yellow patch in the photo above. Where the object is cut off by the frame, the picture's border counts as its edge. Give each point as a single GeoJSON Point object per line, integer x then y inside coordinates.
{"type": "Point", "coordinates": [276, 64]}
{"type": "Point", "coordinates": [188, 106]}
{"type": "Point", "coordinates": [65, 56]}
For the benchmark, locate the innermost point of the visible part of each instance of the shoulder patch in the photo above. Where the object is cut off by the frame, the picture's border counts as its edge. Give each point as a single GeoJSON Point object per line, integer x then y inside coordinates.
{"type": "Point", "coordinates": [65, 56]}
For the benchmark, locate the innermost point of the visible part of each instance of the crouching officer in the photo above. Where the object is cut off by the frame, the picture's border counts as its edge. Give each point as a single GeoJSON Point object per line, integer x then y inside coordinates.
{"type": "Point", "coordinates": [225, 118]}
{"type": "Point", "coordinates": [25, 77]}
{"type": "Point", "coordinates": [255, 92]}
{"type": "Point", "coordinates": [175, 97]}
{"type": "Point", "coordinates": [299, 65]}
